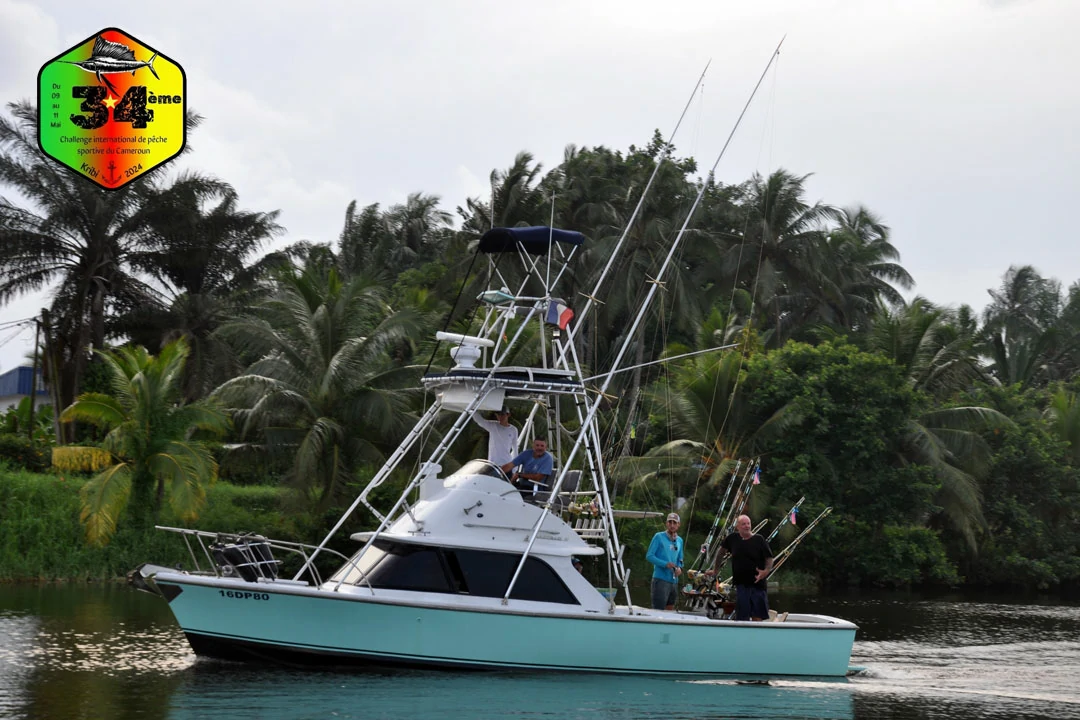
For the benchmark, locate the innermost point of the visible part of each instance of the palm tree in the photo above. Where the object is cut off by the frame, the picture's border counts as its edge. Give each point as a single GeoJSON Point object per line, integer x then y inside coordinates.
{"type": "Point", "coordinates": [712, 419]}
{"type": "Point", "coordinates": [780, 261]}
{"type": "Point", "coordinates": [150, 439]}
{"type": "Point", "coordinates": [361, 238]}
{"type": "Point", "coordinates": [199, 245]}
{"type": "Point", "coordinates": [1031, 335]}
{"type": "Point", "coordinates": [949, 442]}
{"type": "Point", "coordinates": [323, 388]}
{"type": "Point", "coordinates": [859, 260]}
{"type": "Point", "coordinates": [416, 230]}
{"type": "Point", "coordinates": [76, 238]}
{"type": "Point", "coordinates": [1064, 416]}
{"type": "Point", "coordinates": [937, 353]}
{"type": "Point", "coordinates": [932, 345]}
{"type": "Point", "coordinates": [516, 199]}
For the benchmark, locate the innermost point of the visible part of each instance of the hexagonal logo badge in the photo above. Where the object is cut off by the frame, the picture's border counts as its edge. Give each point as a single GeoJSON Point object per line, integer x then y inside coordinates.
{"type": "Point", "coordinates": [111, 108]}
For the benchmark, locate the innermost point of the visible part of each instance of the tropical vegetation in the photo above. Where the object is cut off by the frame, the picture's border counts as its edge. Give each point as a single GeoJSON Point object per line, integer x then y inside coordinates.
{"type": "Point", "coordinates": [947, 441]}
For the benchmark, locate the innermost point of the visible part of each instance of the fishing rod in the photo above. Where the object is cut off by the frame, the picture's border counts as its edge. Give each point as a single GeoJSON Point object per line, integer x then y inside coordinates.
{"type": "Point", "coordinates": [750, 479]}
{"type": "Point", "coordinates": [784, 554]}
{"type": "Point", "coordinates": [736, 502]}
{"type": "Point", "coordinates": [736, 509]}
{"type": "Point", "coordinates": [716, 520]}
{"type": "Point", "coordinates": [786, 518]}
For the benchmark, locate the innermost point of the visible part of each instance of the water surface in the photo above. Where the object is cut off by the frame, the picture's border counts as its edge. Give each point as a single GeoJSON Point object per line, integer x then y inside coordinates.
{"type": "Point", "coordinates": [106, 651]}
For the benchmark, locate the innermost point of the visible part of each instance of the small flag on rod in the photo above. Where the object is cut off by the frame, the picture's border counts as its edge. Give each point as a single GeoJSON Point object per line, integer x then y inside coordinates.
{"type": "Point", "coordinates": [757, 474]}
{"type": "Point", "coordinates": [559, 314]}
{"type": "Point", "coordinates": [794, 511]}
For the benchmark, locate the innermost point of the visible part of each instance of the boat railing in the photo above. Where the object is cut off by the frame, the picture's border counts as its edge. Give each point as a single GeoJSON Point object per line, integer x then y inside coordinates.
{"type": "Point", "coordinates": [206, 540]}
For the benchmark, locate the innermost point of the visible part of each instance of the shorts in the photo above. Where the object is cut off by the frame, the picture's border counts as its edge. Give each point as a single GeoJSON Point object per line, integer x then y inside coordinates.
{"type": "Point", "coordinates": [750, 603]}
{"type": "Point", "coordinates": [663, 593]}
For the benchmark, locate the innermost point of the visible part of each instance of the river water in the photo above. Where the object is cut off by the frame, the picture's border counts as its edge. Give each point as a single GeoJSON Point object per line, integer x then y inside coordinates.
{"type": "Point", "coordinates": [106, 651]}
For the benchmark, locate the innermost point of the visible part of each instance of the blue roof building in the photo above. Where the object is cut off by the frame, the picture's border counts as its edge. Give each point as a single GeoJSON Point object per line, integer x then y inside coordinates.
{"type": "Point", "coordinates": [16, 384]}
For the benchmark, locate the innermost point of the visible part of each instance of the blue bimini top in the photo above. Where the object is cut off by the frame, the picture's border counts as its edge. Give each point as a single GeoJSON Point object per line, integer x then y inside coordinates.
{"type": "Point", "coordinates": [533, 240]}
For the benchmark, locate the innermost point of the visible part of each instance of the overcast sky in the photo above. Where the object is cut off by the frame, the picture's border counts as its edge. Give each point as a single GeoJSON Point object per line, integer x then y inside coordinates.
{"type": "Point", "coordinates": [952, 119]}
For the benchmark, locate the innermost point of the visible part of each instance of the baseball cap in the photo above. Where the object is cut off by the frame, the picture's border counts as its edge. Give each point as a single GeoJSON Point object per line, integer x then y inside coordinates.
{"type": "Point", "coordinates": [503, 411]}
{"type": "Point", "coordinates": [674, 516]}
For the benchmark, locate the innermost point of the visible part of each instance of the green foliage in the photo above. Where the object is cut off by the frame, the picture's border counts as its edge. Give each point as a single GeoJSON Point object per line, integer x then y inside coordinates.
{"type": "Point", "coordinates": [1032, 500]}
{"type": "Point", "coordinates": [860, 552]}
{"type": "Point", "coordinates": [848, 413]}
{"type": "Point", "coordinates": [41, 537]}
{"type": "Point", "coordinates": [1063, 413]}
{"type": "Point", "coordinates": [19, 451]}
{"type": "Point", "coordinates": [851, 409]}
{"type": "Point", "coordinates": [16, 421]}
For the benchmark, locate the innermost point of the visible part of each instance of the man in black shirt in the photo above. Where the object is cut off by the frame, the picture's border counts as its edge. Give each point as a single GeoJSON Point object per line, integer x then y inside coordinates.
{"type": "Point", "coordinates": [751, 563]}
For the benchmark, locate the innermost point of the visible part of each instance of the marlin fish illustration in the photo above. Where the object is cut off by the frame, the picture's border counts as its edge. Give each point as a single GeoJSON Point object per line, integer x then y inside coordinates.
{"type": "Point", "coordinates": [113, 57]}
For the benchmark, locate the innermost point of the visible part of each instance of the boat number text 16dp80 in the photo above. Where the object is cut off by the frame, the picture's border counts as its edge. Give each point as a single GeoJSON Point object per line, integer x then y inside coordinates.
{"type": "Point", "coordinates": [238, 595]}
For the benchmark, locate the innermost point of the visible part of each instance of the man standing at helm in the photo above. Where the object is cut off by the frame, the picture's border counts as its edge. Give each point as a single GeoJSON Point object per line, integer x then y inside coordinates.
{"type": "Point", "coordinates": [502, 436]}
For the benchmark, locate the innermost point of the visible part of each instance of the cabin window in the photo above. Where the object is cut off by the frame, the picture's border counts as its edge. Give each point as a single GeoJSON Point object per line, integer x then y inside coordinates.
{"type": "Point", "coordinates": [359, 565]}
{"type": "Point", "coordinates": [411, 567]}
{"type": "Point", "coordinates": [404, 566]}
{"type": "Point", "coordinates": [488, 574]}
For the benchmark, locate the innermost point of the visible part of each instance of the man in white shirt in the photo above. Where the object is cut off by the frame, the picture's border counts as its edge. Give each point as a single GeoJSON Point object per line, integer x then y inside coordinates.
{"type": "Point", "coordinates": [502, 437]}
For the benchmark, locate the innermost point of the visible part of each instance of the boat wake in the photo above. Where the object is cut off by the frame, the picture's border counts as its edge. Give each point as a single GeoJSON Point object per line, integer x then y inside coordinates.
{"type": "Point", "coordinates": [1023, 677]}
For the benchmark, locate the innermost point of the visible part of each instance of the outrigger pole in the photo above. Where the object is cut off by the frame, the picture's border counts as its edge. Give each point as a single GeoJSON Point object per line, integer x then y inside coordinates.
{"type": "Point", "coordinates": [637, 321]}
{"type": "Point", "coordinates": [590, 298]}
{"type": "Point", "coordinates": [665, 360]}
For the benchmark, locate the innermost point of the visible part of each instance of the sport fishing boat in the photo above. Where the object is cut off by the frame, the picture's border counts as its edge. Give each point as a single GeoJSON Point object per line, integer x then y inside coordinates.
{"type": "Point", "coordinates": [465, 569]}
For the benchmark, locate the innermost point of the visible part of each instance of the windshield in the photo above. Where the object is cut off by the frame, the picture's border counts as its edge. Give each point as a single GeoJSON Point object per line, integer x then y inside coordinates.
{"type": "Point", "coordinates": [480, 467]}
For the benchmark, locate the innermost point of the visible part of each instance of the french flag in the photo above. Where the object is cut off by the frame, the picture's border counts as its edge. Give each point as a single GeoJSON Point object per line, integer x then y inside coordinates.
{"type": "Point", "coordinates": [559, 314]}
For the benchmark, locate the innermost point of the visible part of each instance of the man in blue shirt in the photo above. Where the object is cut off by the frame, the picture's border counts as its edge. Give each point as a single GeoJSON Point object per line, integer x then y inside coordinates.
{"type": "Point", "coordinates": [666, 555]}
{"type": "Point", "coordinates": [536, 466]}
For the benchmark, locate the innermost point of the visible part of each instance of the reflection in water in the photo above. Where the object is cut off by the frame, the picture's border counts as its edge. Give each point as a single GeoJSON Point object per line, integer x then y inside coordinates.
{"type": "Point", "coordinates": [87, 652]}
{"type": "Point", "coordinates": [109, 652]}
{"type": "Point", "coordinates": [17, 634]}
{"type": "Point", "coordinates": [227, 690]}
